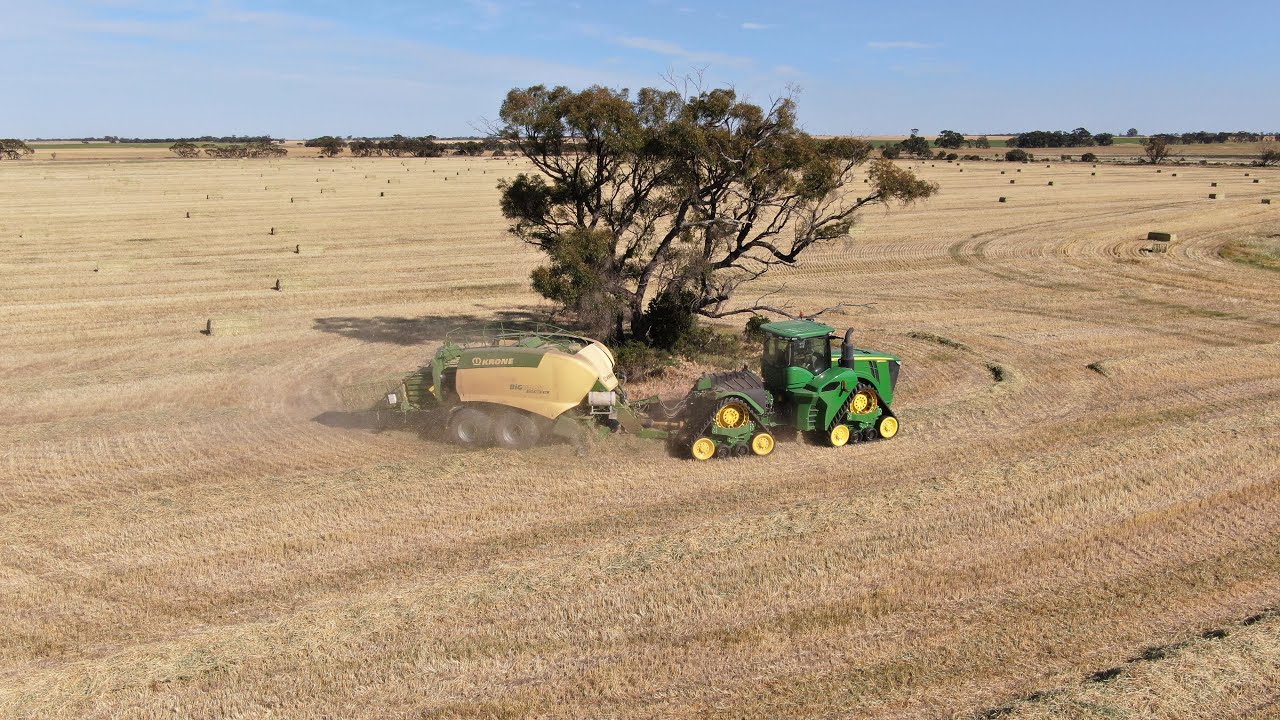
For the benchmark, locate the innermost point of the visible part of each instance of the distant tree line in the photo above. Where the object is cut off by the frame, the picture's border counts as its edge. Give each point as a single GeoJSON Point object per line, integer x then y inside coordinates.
{"type": "Point", "coordinates": [261, 149]}
{"type": "Point", "coordinates": [246, 139]}
{"type": "Point", "coordinates": [402, 146]}
{"type": "Point", "coordinates": [1204, 137]}
{"type": "Point", "coordinates": [953, 140]}
{"type": "Point", "coordinates": [1080, 137]}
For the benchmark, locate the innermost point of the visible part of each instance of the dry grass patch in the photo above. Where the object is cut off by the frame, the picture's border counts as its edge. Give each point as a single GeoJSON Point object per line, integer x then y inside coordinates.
{"type": "Point", "coordinates": [209, 527]}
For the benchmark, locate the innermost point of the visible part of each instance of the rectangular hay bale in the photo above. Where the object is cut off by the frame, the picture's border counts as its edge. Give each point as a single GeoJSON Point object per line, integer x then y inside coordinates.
{"type": "Point", "coordinates": [1162, 236]}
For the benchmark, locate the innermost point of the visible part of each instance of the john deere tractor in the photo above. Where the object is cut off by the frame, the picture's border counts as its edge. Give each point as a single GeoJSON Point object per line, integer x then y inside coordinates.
{"type": "Point", "coordinates": [810, 382]}
{"type": "Point", "coordinates": [513, 386]}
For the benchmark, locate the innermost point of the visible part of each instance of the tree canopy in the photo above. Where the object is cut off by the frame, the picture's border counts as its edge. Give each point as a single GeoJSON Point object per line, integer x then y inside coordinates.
{"type": "Point", "coordinates": [678, 199]}
{"type": "Point", "coordinates": [329, 145]}
{"type": "Point", "coordinates": [11, 149]}
{"type": "Point", "coordinates": [1080, 137]}
{"type": "Point", "coordinates": [1156, 149]}
{"type": "Point", "coordinates": [949, 139]}
{"type": "Point", "coordinates": [184, 149]}
{"type": "Point", "coordinates": [917, 146]}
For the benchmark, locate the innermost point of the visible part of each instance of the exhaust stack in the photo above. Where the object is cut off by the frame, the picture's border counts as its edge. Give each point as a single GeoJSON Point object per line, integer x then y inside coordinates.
{"type": "Point", "coordinates": [846, 349]}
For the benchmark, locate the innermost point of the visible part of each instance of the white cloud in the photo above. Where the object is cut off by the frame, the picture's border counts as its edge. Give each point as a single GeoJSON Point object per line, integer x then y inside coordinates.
{"type": "Point", "coordinates": [755, 26]}
{"type": "Point", "coordinates": [662, 47]}
{"type": "Point", "coordinates": [900, 45]}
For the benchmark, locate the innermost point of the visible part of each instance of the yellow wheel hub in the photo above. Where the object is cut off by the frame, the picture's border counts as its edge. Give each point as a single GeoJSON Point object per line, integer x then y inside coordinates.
{"type": "Point", "coordinates": [762, 444]}
{"type": "Point", "coordinates": [839, 435]}
{"type": "Point", "coordinates": [731, 416]}
{"type": "Point", "coordinates": [863, 401]}
{"type": "Point", "coordinates": [703, 448]}
{"type": "Point", "coordinates": [888, 427]}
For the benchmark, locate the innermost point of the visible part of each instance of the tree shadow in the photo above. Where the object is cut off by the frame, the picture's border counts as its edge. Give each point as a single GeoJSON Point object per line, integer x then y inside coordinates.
{"type": "Point", "coordinates": [415, 331]}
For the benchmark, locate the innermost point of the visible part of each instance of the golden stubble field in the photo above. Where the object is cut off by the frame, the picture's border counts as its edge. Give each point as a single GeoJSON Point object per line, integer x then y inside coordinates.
{"type": "Point", "coordinates": [1088, 467]}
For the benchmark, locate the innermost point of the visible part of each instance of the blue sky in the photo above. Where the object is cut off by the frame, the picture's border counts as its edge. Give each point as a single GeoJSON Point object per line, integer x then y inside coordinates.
{"type": "Point", "coordinates": [298, 69]}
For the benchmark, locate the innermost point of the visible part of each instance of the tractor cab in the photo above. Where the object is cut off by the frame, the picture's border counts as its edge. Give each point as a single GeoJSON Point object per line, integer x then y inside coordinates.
{"type": "Point", "coordinates": [795, 351]}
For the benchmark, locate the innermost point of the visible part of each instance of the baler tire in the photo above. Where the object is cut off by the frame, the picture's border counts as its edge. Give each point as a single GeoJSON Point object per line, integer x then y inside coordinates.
{"type": "Point", "coordinates": [471, 427]}
{"type": "Point", "coordinates": [514, 430]}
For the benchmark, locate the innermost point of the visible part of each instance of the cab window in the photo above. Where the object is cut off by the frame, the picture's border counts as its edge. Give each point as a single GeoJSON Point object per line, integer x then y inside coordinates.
{"type": "Point", "coordinates": [776, 351]}
{"type": "Point", "coordinates": [812, 354]}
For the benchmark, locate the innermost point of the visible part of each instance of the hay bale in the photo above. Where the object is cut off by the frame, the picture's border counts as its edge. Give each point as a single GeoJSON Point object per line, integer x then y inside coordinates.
{"type": "Point", "coordinates": [1159, 171]}
{"type": "Point", "coordinates": [1175, 175]}
{"type": "Point", "coordinates": [301, 249]}
{"type": "Point", "coordinates": [1216, 196]}
{"type": "Point", "coordinates": [1162, 236]}
{"type": "Point", "coordinates": [1158, 248]}
{"type": "Point", "coordinates": [1012, 182]}
{"type": "Point", "coordinates": [1213, 184]}
{"type": "Point", "coordinates": [1266, 201]}
{"type": "Point", "coordinates": [1001, 172]}
{"type": "Point", "coordinates": [1094, 174]}
{"type": "Point", "coordinates": [279, 286]}
{"type": "Point", "coordinates": [1002, 199]}
{"type": "Point", "coordinates": [1051, 183]}
{"type": "Point", "coordinates": [1256, 181]}
{"type": "Point", "coordinates": [381, 194]}
{"type": "Point", "coordinates": [229, 325]}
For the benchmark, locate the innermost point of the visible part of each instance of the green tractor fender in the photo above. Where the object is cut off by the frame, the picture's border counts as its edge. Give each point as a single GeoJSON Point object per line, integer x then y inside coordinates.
{"type": "Point", "coordinates": [833, 396]}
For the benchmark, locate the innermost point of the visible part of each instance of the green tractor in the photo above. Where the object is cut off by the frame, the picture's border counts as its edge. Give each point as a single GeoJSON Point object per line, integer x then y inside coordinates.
{"type": "Point", "coordinates": [813, 382]}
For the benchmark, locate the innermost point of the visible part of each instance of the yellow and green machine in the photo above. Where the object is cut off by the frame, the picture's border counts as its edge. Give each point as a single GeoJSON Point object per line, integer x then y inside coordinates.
{"type": "Point", "coordinates": [515, 386]}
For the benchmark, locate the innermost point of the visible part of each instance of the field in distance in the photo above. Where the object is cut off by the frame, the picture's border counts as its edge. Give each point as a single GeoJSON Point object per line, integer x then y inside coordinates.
{"type": "Point", "coordinates": [204, 525]}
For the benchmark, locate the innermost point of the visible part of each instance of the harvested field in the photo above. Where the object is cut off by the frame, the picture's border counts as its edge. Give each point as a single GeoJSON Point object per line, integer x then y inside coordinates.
{"type": "Point", "coordinates": [201, 525]}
